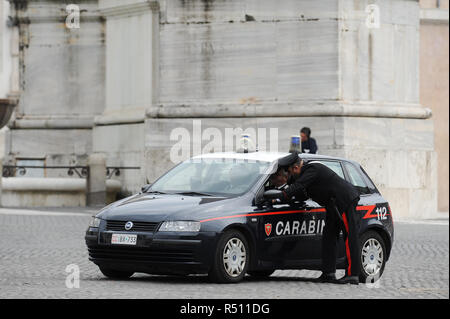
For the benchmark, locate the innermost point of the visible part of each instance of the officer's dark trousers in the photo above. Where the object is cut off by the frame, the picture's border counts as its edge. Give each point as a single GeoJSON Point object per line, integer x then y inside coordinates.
{"type": "Point", "coordinates": [333, 226]}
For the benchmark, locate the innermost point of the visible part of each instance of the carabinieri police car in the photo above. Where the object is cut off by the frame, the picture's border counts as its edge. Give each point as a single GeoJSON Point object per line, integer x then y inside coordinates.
{"type": "Point", "coordinates": [208, 215]}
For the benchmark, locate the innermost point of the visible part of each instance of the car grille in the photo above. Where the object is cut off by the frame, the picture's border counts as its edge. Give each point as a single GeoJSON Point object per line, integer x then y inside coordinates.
{"type": "Point", "coordinates": [135, 254]}
{"type": "Point", "coordinates": [117, 225]}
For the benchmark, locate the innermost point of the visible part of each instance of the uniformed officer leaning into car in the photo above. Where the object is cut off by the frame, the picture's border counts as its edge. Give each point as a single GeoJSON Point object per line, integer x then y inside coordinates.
{"type": "Point", "coordinates": [340, 198]}
{"type": "Point", "coordinates": [279, 179]}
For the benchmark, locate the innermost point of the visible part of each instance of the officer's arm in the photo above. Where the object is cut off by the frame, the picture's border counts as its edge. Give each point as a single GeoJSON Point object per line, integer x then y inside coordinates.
{"type": "Point", "coordinates": [298, 188]}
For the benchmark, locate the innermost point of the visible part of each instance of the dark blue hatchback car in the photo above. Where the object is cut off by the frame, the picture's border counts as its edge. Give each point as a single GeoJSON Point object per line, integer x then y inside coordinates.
{"type": "Point", "coordinates": [208, 215]}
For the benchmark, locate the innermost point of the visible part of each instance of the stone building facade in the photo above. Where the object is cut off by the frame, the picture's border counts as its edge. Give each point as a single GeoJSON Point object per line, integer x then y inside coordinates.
{"type": "Point", "coordinates": [138, 71]}
{"type": "Point", "coordinates": [434, 85]}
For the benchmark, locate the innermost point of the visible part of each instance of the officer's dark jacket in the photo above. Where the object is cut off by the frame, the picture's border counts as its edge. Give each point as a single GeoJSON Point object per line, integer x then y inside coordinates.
{"type": "Point", "coordinates": [321, 184]}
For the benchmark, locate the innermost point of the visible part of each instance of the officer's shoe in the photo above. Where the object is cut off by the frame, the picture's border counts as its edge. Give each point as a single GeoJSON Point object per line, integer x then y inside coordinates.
{"type": "Point", "coordinates": [354, 280]}
{"type": "Point", "coordinates": [330, 278]}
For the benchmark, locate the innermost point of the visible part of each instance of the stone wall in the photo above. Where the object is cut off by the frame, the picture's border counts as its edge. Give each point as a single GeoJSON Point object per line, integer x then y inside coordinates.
{"type": "Point", "coordinates": [137, 71]}
{"type": "Point", "coordinates": [434, 85]}
{"type": "Point", "coordinates": [5, 51]}
{"type": "Point", "coordinates": [61, 82]}
{"type": "Point", "coordinates": [256, 64]}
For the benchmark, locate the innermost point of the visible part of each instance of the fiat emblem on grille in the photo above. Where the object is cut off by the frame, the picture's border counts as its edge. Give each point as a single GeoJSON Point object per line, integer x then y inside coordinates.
{"type": "Point", "coordinates": [128, 225]}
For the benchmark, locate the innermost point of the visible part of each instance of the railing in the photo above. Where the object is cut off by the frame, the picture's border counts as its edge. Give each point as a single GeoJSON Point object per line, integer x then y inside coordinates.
{"type": "Point", "coordinates": [11, 170]}
{"type": "Point", "coordinates": [110, 171]}
{"type": "Point", "coordinates": [80, 171]}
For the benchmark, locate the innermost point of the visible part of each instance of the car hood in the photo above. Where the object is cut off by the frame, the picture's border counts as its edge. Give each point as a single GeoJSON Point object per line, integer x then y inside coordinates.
{"type": "Point", "coordinates": [157, 208]}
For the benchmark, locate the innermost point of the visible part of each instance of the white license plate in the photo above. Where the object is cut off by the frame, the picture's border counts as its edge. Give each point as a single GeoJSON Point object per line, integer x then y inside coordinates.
{"type": "Point", "coordinates": [123, 239]}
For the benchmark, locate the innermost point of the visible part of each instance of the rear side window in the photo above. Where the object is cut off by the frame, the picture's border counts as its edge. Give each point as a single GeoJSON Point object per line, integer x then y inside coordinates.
{"type": "Point", "coordinates": [369, 182]}
{"type": "Point", "coordinates": [335, 166]}
{"type": "Point", "coordinates": [356, 179]}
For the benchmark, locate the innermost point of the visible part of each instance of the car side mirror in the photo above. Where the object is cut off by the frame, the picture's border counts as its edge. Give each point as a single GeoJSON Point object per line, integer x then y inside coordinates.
{"type": "Point", "coordinates": [145, 188]}
{"type": "Point", "coordinates": [272, 194]}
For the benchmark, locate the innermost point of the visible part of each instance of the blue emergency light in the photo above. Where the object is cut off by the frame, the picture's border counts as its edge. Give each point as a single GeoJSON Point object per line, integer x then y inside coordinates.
{"type": "Point", "coordinates": [295, 144]}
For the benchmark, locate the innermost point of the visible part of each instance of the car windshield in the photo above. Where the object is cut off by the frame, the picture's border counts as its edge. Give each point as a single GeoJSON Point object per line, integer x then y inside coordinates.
{"type": "Point", "coordinates": [213, 177]}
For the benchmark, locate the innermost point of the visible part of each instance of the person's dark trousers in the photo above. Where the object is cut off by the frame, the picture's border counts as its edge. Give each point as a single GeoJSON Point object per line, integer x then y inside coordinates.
{"type": "Point", "coordinates": [351, 239]}
{"type": "Point", "coordinates": [333, 225]}
{"type": "Point", "coordinates": [330, 235]}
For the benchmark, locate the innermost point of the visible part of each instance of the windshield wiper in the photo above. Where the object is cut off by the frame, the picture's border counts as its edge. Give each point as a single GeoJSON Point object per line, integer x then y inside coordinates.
{"type": "Point", "coordinates": [155, 192]}
{"type": "Point", "coordinates": [194, 194]}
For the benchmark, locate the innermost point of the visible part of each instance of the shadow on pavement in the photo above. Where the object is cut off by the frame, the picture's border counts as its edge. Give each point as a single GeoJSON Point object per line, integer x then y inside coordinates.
{"type": "Point", "coordinates": [203, 279]}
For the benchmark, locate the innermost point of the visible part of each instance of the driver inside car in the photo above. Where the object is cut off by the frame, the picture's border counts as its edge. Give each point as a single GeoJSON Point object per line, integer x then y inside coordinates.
{"type": "Point", "coordinates": [279, 179]}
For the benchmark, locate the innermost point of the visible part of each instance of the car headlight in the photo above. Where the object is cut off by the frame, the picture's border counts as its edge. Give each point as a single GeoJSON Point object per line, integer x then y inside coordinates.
{"type": "Point", "coordinates": [181, 226]}
{"type": "Point", "coordinates": [95, 222]}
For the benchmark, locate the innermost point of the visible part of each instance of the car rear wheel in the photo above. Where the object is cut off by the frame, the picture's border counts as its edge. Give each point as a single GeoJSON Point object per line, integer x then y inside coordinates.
{"type": "Point", "coordinates": [231, 258]}
{"type": "Point", "coordinates": [116, 274]}
{"type": "Point", "coordinates": [373, 257]}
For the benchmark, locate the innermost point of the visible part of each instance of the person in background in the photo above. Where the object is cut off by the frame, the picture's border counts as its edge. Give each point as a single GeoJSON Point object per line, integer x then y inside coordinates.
{"type": "Point", "coordinates": [308, 143]}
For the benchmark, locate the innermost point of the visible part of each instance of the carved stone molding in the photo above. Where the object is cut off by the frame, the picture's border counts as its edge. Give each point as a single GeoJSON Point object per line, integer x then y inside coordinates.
{"type": "Point", "coordinates": [289, 109]}
{"type": "Point", "coordinates": [6, 109]}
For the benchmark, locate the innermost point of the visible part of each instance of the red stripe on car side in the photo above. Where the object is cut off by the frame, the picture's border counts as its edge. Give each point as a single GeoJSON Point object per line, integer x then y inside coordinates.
{"type": "Point", "coordinates": [316, 210]}
{"type": "Point", "coordinates": [369, 211]}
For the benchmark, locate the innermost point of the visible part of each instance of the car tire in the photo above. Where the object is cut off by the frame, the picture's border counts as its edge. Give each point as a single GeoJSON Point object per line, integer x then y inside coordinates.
{"type": "Point", "coordinates": [231, 258]}
{"type": "Point", "coordinates": [116, 274]}
{"type": "Point", "coordinates": [261, 273]}
{"type": "Point", "coordinates": [372, 257]}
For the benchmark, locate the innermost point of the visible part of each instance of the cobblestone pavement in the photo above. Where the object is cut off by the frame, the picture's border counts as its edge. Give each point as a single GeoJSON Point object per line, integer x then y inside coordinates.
{"type": "Point", "coordinates": [36, 247]}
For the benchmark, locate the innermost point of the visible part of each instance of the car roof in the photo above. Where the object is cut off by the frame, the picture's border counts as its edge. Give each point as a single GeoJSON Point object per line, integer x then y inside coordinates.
{"type": "Point", "coordinates": [255, 156]}
{"type": "Point", "coordinates": [265, 156]}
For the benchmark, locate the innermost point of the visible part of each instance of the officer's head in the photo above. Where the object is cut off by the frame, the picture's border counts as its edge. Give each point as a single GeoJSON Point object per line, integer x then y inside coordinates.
{"type": "Point", "coordinates": [279, 178]}
{"type": "Point", "coordinates": [305, 133]}
{"type": "Point", "coordinates": [295, 169]}
{"type": "Point", "coordinates": [292, 163]}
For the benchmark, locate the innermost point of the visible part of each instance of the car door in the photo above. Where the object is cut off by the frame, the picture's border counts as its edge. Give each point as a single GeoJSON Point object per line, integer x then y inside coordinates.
{"type": "Point", "coordinates": [287, 231]}
{"type": "Point", "coordinates": [368, 197]}
{"type": "Point", "coordinates": [320, 214]}
{"type": "Point", "coordinates": [292, 233]}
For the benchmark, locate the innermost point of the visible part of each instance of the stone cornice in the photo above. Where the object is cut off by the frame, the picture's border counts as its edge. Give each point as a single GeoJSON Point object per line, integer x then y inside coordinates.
{"type": "Point", "coordinates": [53, 122]}
{"type": "Point", "coordinates": [290, 109]}
{"type": "Point", "coordinates": [126, 115]}
{"type": "Point", "coordinates": [434, 16]}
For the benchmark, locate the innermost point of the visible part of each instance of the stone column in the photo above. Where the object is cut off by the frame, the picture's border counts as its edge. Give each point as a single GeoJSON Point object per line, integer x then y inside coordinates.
{"type": "Point", "coordinates": [131, 29]}
{"type": "Point", "coordinates": [96, 182]}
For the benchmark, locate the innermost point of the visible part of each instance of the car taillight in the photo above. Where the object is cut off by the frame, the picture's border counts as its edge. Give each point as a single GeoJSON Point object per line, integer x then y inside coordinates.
{"type": "Point", "coordinates": [390, 214]}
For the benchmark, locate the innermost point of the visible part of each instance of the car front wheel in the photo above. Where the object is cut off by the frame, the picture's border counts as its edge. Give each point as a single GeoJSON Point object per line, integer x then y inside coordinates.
{"type": "Point", "coordinates": [231, 258]}
{"type": "Point", "coordinates": [373, 257]}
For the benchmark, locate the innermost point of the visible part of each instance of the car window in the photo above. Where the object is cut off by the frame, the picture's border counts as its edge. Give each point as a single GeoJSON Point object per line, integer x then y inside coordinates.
{"type": "Point", "coordinates": [212, 176]}
{"type": "Point", "coordinates": [335, 166]}
{"type": "Point", "coordinates": [369, 182]}
{"type": "Point", "coordinates": [356, 179]}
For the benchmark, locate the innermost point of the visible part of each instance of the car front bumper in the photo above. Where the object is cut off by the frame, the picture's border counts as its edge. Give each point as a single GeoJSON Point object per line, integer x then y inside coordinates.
{"type": "Point", "coordinates": [156, 253]}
